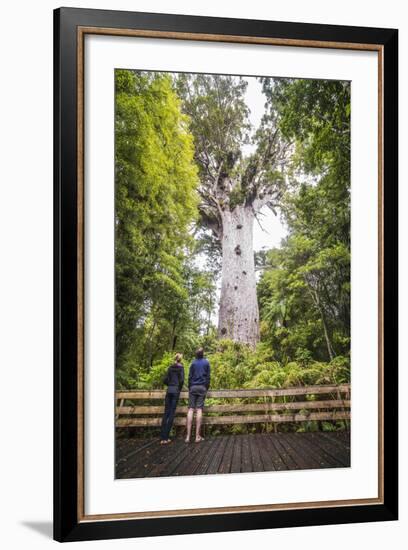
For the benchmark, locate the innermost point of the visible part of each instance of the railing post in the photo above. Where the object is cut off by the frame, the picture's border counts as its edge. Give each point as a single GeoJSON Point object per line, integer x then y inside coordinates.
{"type": "Point", "coordinates": [345, 422]}
{"type": "Point", "coordinates": [120, 405]}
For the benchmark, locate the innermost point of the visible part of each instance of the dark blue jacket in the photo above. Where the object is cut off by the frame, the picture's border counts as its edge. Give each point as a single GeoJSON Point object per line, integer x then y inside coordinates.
{"type": "Point", "coordinates": [174, 378]}
{"type": "Point", "coordinates": [199, 374]}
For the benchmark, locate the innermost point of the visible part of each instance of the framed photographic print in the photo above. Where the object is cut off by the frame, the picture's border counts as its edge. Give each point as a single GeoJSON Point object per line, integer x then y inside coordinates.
{"type": "Point", "coordinates": [225, 274]}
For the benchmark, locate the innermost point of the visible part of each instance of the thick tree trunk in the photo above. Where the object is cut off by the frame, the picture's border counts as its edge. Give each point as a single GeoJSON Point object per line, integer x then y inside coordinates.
{"type": "Point", "coordinates": [239, 314]}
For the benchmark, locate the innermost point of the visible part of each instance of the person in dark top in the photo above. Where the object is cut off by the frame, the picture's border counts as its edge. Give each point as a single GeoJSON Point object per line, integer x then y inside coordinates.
{"type": "Point", "coordinates": [198, 384]}
{"type": "Point", "coordinates": [174, 381]}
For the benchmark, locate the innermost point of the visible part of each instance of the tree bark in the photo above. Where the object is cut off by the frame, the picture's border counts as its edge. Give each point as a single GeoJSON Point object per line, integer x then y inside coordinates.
{"type": "Point", "coordinates": [238, 314]}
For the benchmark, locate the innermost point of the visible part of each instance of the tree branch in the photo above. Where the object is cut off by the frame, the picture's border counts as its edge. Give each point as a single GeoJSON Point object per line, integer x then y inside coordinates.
{"type": "Point", "coordinates": [210, 219]}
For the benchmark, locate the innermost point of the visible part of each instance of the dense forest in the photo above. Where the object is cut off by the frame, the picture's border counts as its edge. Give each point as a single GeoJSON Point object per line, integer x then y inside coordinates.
{"type": "Point", "coordinates": [186, 199]}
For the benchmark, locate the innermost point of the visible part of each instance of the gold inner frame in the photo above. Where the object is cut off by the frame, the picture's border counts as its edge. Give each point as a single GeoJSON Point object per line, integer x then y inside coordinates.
{"type": "Point", "coordinates": [81, 33]}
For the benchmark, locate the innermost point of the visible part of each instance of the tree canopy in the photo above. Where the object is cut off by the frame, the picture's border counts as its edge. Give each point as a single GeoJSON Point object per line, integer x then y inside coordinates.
{"type": "Point", "coordinates": [219, 122]}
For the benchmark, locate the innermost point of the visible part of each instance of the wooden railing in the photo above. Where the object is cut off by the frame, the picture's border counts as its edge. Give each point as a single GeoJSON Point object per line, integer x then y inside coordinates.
{"type": "Point", "coordinates": [335, 406]}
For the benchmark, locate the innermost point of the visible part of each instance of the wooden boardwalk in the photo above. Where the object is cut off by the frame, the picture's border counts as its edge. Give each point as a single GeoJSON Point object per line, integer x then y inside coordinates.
{"type": "Point", "coordinates": [232, 454]}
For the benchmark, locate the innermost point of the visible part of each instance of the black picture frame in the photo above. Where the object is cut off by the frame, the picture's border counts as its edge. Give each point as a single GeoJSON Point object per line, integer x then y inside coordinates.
{"type": "Point", "coordinates": [67, 332]}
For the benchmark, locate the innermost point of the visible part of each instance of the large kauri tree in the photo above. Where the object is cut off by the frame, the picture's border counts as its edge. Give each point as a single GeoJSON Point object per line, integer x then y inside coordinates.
{"type": "Point", "coordinates": [234, 187]}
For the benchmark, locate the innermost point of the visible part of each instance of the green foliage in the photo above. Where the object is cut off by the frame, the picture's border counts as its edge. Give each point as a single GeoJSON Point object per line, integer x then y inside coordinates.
{"type": "Point", "coordinates": [302, 288]}
{"type": "Point", "coordinates": [236, 366]}
{"type": "Point", "coordinates": [153, 379]}
{"type": "Point", "coordinates": [304, 291]}
{"type": "Point", "coordinates": [317, 114]}
{"type": "Point", "coordinates": [218, 117]}
{"type": "Point", "coordinates": [237, 196]}
{"type": "Point", "coordinates": [156, 203]}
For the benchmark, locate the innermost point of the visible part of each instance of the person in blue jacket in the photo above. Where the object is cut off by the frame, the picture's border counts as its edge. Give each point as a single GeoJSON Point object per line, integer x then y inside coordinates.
{"type": "Point", "coordinates": [198, 384]}
{"type": "Point", "coordinates": [174, 381]}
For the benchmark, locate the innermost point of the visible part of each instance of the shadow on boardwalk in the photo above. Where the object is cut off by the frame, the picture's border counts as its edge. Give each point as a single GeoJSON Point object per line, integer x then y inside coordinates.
{"type": "Point", "coordinates": [232, 454]}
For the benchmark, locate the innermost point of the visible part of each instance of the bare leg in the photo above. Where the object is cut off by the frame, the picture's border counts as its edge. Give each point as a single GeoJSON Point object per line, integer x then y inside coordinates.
{"type": "Point", "coordinates": [190, 414]}
{"type": "Point", "coordinates": [198, 424]}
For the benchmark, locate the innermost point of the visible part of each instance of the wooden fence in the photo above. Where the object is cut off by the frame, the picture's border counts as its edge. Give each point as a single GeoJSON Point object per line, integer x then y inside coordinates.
{"type": "Point", "coordinates": [278, 405]}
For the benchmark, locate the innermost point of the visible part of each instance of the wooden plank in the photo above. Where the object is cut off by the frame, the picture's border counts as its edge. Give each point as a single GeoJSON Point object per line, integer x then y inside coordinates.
{"type": "Point", "coordinates": [297, 405]}
{"type": "Point", "coordinates": [269, 392]}
{"type": "Point", "coordinates": [305, 462]}
{"type": "Point", "coordinates": [134, 447]}
{"type": "Point", "coordinates": [178, 450]}
{"type": "Point", "coordinates": [257, 464]}
{"type": "Point", "coordinates": [244, 419]}
{"type": "Point", "coordinates": [191, 460]}
{"type": "Point", "coordinates": [217, 456]}
{"type": "Point", "coordinates": [309, 449]}
{"type": "Point", "coordinates": [199, 452]}
{"type": "Point", "coordinates": [210, 450]}
{"type": "Point", "coordinates": [231, 454]}
{"type": "Point", "coordinates": [340, 438]}
{"type": "Point", "coordinates": [278, 454]}
{"type": "Point", "coordinates": [225, 465]}
{"type": "Point", "coordinates": [172, 455]}
{"type": "Point", "coordinates": [140, 463]}
{"type": "Point", "coordinates": [158, 460]}
{"type": "Point", "coordinates": [264, 453]}
{"type": "Point", "coordinates": [254, 419]}
{"type": "Point", "coordinates": [335, 447]}
{"type": "Point", "coordinates": [340, 454]}
{"type": "Point", "coordinates": [144, 422]}
{"type": "Point", "coordinates": [288, 454]}
{"type": "Point", "coordinates": [128, 444]}
{"type": "Point", "coordinates": [123, 444]}
{"type": "Point", "coordinates": [236, 455]}
{"type": "Point", "coordinates": [246, 459]}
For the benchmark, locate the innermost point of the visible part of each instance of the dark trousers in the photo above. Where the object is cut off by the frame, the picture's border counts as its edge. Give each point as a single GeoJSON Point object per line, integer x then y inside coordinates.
{"type": "Point", "coordinates": [170, 405]}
